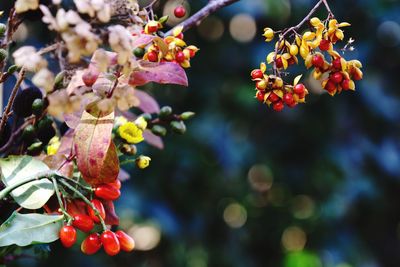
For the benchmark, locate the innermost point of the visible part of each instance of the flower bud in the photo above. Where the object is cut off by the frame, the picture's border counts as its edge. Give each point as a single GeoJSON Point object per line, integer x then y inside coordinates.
{"type": "Point", "coordinates": [187, 115]}
{"type": "Point", "coordinates": [178, 127]}
{"type": "Point", "coordinates": [141, 123]}
{"type": "Point", "coordinates": [165, 112]}
{"type": "Point", "coordinates": [159, 130]}
{"type": "Point", "coordinates": [3, 29]}
{"type": "Point", "coordinates": [143, 162]}
{"type": "Point", "coordinates": [3, 54]}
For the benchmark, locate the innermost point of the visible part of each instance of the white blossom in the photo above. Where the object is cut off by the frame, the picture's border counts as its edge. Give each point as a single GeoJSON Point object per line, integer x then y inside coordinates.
{"type": "Point", "coordinates": [77, 33]}
{"type": "Point", "coordinates": [93, 8]}
{"type": "Point", "coordinates": [121, 41]}
{"type": "Point", "coordinates": [28, 57]}
{"type": "Point", "coordinates": [25, 5]}
{"type": "Point", "coordinates": [44, 79]}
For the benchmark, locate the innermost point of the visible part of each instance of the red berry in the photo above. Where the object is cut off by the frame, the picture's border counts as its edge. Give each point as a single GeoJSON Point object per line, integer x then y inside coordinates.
{"type": "Point", "coordinates": [67, 236]}
{"type": "Point", "coordinates": [126, 242]}
{"type": "Point", "coordinates": [116, 184]}
{"type": "Point", "coordinates": [324, 45]}
{"type": "Point", "coordinates": [288, 98]}
{"type": "Point", "coordinates": [180, 36]}
{"type": "Point", "coordinates": [152, 56]}
{"type": "Point", "coordinates": [110, 243]}
{"type": "Point", "coordinates": [278, 106]}
{"type": "Point", "coordinates": [357, 75]}
{"type": "Point", "coordinates": [257, 74]}
{"type": "Point", "coordinates": [91, 244]}
{"type": "Point", "coordinates": [336, 77]}
{"type": "Point", "coordinates": [180, 11]}
{"type": "Point", "coordinates": [107, 192]}
{"type": "Point", "coordinates": [330, 86]}
{"type": "Point", "coordinates": [273, 97]}
{"type": "Point", "coordinates": [152, 28]}
{"type": "Point", "coordinates": [279, 63]}
{"type": "Point", "coordinates": [260, 96]}
{"type": "Point", "coordinates": [345, 84]}
{"type": "Point", "coordinates": [337, 64]}
{"type": "Point", "coordinates": [89, 77]}
{"type": "Point", "coordinates": [291, 61]}
{"type": "Point", "coordinates": [180, 57]}
{"type": "Point", "coordinates": [83, 222]}
{"type": "Point", "coordinates": [299, 89]}
{"type": "Point", "coordinates": [292, 105]}
{"type": "Point", "coordinates": [99, 206]}
{"type": "Point", "coordinates": [317, 61]}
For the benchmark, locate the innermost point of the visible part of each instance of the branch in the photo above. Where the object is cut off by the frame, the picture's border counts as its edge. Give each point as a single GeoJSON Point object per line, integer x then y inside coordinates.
{"type": "Point", "coordinates": [211, 7]}
{"type": "Point", "coordinates": [298, 26]}
{"type": "Point", "coordinates": [11, 99]}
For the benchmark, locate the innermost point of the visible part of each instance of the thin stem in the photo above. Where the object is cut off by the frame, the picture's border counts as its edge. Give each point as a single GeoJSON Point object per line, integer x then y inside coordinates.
{"type": "Point", "coordinates": [86, 200]}
{"type": "Point", "coordinates": [15, 134]}
{"type": "Point", "coordinates": [297, 27]}
{"type": "Point", "coordinates": [80, 185]}
{"type": "Point", "coordinates": [39, 176]}
{"type": "Point", "coordinates": [60, 202]}
{"type": "Point", "coordinates": [11, 99]}
{"type": "Point", "coordinates": [211, 7]}
{"type": "Point", "coordinates": [128, 161]}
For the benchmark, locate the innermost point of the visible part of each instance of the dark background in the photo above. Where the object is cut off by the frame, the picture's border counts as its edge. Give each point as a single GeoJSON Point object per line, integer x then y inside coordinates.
{"type": "Point", "coordinates": [315, 186]}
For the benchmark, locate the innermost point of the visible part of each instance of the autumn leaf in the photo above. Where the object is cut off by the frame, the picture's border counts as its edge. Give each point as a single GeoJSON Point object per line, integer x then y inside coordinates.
{"type": "Point", "coordinates": [147, 103]}
{"type": "Point", "coordinates": [142, 40]}
{"type": "Point", "coordinates": [163, 73]}
{"type": "Point", "coordinates": [96, 154]}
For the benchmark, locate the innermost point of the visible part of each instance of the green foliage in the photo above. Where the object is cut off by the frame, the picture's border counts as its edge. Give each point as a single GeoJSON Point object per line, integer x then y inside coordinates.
{"type": "Point", "coordinates": [27, 229]}
{"type": "Point", "coordinates": [17, 169]}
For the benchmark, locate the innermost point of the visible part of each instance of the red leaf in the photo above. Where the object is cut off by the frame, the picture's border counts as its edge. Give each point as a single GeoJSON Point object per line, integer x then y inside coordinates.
{"type": "Point", "coordinates": [147, 103]}
{"type": "Point", "coordinates": [96, 154]}
{"type": "Point", "coordinates": [67, 143]}
{"type": "Point", "coordinates": [164, 73]}
{"type": "Point", "coordinates": [153, 139]}
{"type": "Point", "coordinates": [142, 39]}
{"type": "Point", "coordinates": [111, 217]}
{"type": "Point", "coordinates": [59, 162]}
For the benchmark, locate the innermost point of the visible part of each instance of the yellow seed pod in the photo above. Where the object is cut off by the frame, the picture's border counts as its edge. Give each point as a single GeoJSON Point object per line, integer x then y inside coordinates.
{"type": "Point", "coordinates": [333, 23]}
{"type": "Point", "coordinates": [278, 82]}
{"type": "Point", "coordinates": [179, 42]}
{"type": "Point", "coordinates": [317, 74]}
{"type": "Point", "coordinates": [270, 57]}
{"type": "Point", "coordinates": [315, 21]}
{"type": "Point", "coordinates": [304, 51]}
{"type": "Point", "coordinates": [262, 85]}
{"type": "Point", "coordinates": [339, 34]}
{"type": "Point", "coordinates": [294, 50]}
{"type": "Point", "coordinates": [185, 64]}
{"type": "Point", "coordinates": [307, 61]}
{"type": "Point", "coordinates": [307, 36]}
{"type": "Point", "coordinates": [298, 40]}
{"type": "Point", "coordinates": [268, 34]}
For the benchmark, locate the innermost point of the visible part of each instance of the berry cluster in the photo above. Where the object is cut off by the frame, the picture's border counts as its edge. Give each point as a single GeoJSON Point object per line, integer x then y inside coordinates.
{"type": "Point", "coordinates": [86, 220]}
{"type": "Point", "coordinates": [169, 49]}
{"type": "Point", "coordinates": [316, 48]}
{"type": "Point", "coordinates": [272, 90]}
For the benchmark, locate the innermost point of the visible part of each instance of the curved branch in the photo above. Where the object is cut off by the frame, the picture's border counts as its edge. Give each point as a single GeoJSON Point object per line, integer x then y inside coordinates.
{"type": "Point", "coordinates": [211, 7]}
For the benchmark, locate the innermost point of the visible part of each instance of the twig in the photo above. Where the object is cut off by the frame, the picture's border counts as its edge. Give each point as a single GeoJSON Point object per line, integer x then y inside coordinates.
{"type": "Point", "coordinates": [211, 7]}
{"type": "Point", "coordinates": [86, 200]}
{"type": "Point", "coordinates": [297, 27]}
{"type": "Point", "coordinates": [15, 134]}
{"type": "Point", "coordinates": [14, 91]}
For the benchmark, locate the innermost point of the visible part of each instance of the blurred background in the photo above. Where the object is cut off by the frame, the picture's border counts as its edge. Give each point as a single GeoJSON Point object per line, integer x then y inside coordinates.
{"type": "Point", "coordinates": [314, 186]}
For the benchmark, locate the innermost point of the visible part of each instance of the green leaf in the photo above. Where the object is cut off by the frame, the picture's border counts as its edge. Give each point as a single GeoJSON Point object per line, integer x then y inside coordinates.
{"type": "Point", "coordinates": [27, 229]}
{"type": "Point", "coordinates": [16, 169]}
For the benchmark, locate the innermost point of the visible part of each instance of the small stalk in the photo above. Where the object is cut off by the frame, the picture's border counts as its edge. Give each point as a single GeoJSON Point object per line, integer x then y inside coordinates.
{"type": "Point", "coordinates": [86, 200]}
{"type": "Point", "coordinates": [60, 202]}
